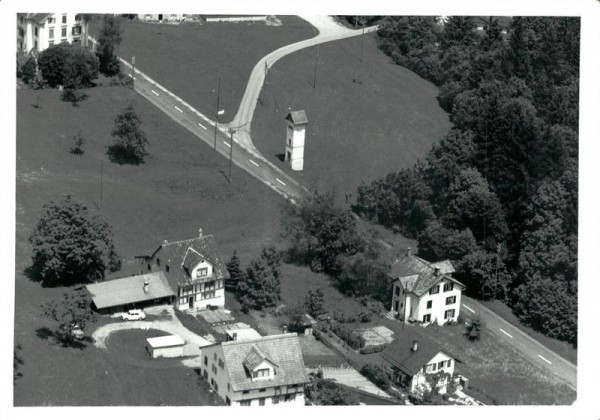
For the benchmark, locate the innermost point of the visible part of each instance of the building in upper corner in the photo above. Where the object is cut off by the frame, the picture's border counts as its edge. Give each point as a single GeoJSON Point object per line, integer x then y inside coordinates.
{"type": "Point", "coordinates": [38, 31]}
{"type": "Point", "coordinates": [411, 357]}
{"type": "Point", "coordinates": [194, 269]}
{"type": "Point", "coordinates": [424, 292]}
{"type": "Point", "coordinates": [264, 371]}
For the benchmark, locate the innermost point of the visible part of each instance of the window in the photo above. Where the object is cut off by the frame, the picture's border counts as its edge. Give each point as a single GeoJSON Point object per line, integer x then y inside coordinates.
{"type": "Point", "coordinates": [63, 32]}
{"type": "Point", "coordinates": [450, 300]}
{"type": "Point", "coordinates": [183, 300]}
{"type": "Point", "coordinates": [397, 290]}
{"type": "Point", "coordinates": [51, 20]}
{"type": "Point", "coordinates": [51, 33]}
{"type": "Point", "coordinates": [290, 397]}
{"type": "Point", "coordinates": [245, 403]}
{"type": "Point", "coordinates": [429, 304]}
{"type": "Point", "coordinates": [228, 387]}
{"type": "Point", "coordinates": [167, 268]}
{"type": "Point", "coordinates": [206, 375]}
{"type": "Point", "coordinates": [227, 400]}
{"type": "Point", "coordinates": [245, 392]}
{"type": "Point", "coordinates": [216, 386]}
{"type": "Point", "coordinates": [448, 362]}
{"type": "Point", "coordinates": [221, 364]}
{"type": "Point", "coordinates": [214, 369]}
{"type": "Point", "coordinates": [158, 262]}
{"type": "Point", "coordinates": [209, 285]}
{"type": "Point", "coordinates": [448, 287]}
{"type": "Point", "coordinates": [434, 290]}
{"type": "Point", "coordinates": [149, 267]}
{"type": "Point", "coordinates": [208, 295]}
{"type": "Point", "coordinates": [64, 19]}
{"type": "Point", "coordinates": [77, 18]}
{"type": "Point", "coordinates": [215, 356]}
{"type": "Point", "coordinates": [440, 365]}
{"type": "Point", "coordinates": [275, 400]}
{"type": "Point", "coordinates": [202, 272]}
{"type": "Point", "coordinates": [36, 31]}
{"type": "Point", "coordinates": [260, 373]}
{"type": "Point", "coordinates": [426, 318]}
{"type": "Point", "coordinates": [206, 360]}
{"type": "Point", "coordinates": [262, 390]}
{"type": "Point", "coordinates": [261, 401]}
{"type": "Point", "coordinates": [449, 314]}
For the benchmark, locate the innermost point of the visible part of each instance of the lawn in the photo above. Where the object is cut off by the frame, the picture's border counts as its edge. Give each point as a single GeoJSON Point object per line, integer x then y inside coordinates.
{"type": "Point", "coordinates": [561, 348]}
{"type": "Point", "coordinates": [179, 189]}
{"type": "Point", "coordinates": [356, 132]}
{"type": "Point", "coordinates": [207, 49]}
{"type": "Point", "coordinates": [497, 369]}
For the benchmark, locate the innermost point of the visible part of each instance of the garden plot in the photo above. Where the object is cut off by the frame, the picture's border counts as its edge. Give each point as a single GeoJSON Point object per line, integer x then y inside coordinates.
{"type": "Point", "coordinates": [376, 336]}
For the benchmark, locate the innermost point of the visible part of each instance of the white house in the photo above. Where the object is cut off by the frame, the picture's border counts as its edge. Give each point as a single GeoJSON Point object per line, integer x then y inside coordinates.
{"type": "Point", "coordinates": [38, 31]}
{"type": "Point", "coordinates": [194, 269]}
{"type": "Point", "coordinates": [165, 346]}
{"type": "Point", "coordinates": [424, 292]}
{"type": "Point", "coordinates": [411, 357]}
{"type": "Point", "coordinates": [294, 140]}
{"type": "Point", "coordinates": [259, 372]}
{"type": "Point", "coordinates": [162, 17]}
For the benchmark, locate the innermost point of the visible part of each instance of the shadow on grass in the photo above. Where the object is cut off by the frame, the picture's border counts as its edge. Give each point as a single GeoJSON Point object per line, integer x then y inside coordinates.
{"type": "Point", "coordinates": [45, 333]}
{"type": "Point", "coordinates": [280, 156]}
{"type": "Point", "coordinates": [33, 274]}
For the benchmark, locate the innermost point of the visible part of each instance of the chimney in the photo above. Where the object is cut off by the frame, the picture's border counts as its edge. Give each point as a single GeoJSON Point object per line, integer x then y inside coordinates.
{"type": "Point", "coordinates": [415, 346]}
{"type": "Point", "coordinates": [436, 271]}
{"type": "Point", "coordinates": [200, 233]}
{"type": "Point", "coordinates": [146, 286]}
{"type": "Point", "coordinates": [408, 252]}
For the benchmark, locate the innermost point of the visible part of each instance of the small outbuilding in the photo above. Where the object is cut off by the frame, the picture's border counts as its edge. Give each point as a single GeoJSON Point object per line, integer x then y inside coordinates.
{"type": "Point", "coordinates": [166, 346]}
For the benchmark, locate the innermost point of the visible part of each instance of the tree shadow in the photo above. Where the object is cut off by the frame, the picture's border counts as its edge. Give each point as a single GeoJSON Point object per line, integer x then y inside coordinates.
{"type": "Point", "coordinates": [280, 156]}
{"type": "Point", "coordinates": [33, 273]}
{"type": "Point", "coordinates": [45, 333]}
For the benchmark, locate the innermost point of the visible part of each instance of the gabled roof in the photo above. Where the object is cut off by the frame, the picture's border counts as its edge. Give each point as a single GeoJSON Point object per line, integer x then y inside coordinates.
{"type": "Point", "coordinates": [418, 276]}
{"type": "Point", "coordinates": [282, 350]}
{"type": "Point", "coordinates": [297, 117]}
{"type": "Point", "coordinates": [191, 259]}
{"type": "Point", "coordinates": [129, 290]}
{"type": "Point", "coordinates": [174, 255]}
{"type": "Point", "coordinates": [38, 17]}
{"type": "Point", "coordinates": [400, 354]}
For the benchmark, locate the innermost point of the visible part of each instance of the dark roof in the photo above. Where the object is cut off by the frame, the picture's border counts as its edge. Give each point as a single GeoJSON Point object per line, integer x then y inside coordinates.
{"type": "Point", "coordinates": [400, 354]}
{"type": "Point", "coordinates": [178, 257]}
{"type": "Point", "coordinates": [282, 350]}
{"type": "Point", "coordinates": [297, 117]}
{"type": "Point", "coordinates": [418, 276]}
{"type": "Point", "coordinates": [129, 290]}
{"type": "Point", "coordinates": [38, 17]}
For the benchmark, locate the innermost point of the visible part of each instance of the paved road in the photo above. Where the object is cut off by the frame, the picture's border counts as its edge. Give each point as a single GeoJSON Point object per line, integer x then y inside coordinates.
{"type": "Point", "coordinates": [532, 350]}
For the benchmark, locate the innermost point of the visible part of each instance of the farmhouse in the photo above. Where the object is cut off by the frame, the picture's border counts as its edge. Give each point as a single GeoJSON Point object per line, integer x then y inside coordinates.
{"type": "Point", "coordinates": [412, 357]}
{"type": "Point", "coordinates": [38, 31]}
{"type": "Point", "coordinates": [131, 292]}
{"type": "Point", "coordinates": [424, 292]}
{"type": "Point", "coordinates": [194, 269]}
{"type": "Point", "coordinates": [264, 371]}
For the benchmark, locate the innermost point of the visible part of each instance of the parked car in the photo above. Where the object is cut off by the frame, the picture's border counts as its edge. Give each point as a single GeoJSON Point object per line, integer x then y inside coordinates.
{"type": "Point", "coordinates": [77, 332]}
{"type": "Point", "coordinates": [134, 315]}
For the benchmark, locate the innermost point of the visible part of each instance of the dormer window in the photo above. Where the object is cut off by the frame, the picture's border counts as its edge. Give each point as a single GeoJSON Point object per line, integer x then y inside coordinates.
{"type": "Point", "coordinates": [435, 289]}
{"type": "Point", "coordinates": [261, 373]}
{"type": "Point", "coordinates": [202, 272]}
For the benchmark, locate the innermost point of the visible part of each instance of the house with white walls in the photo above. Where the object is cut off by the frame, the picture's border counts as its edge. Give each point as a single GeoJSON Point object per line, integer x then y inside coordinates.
{"type": "Point", "coordinates": [194, 269]}
{"type": "Point", "coordinates": [257, 372]}
{"type": "Point", "coordinates": [38, 31]}
{"type": "Point", "coordinates": [424, 292]}
{"type": "Point", "coordinates": [413, 359]}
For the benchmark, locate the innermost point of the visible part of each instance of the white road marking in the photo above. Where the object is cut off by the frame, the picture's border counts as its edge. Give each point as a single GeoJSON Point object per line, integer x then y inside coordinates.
{"type": "Point", "coordinates": [202, 126]}
{"type": "Point", "coordinates": [179, 109]}
{"type": "Point", "coordinates": [506, 333]}
{"type": "Point", "coordinates": [226, 144]}
{"type": "Point", "coordinates": [280, 181]}
{"type": "Point", "coordinates": [468, 308]}
{"type": "Point", "coordinates": [156, 93]}
{"type": "Point", "coordinates": [253, 162]}
{"type": "Point", "coordinates": [544, 359]}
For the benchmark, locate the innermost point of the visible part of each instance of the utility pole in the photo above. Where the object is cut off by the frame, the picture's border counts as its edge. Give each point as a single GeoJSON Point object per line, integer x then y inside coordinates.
{"type": "Point", "coordinates": [101, 181]}
{"type": "Point", "coordinates": [316, 65]}
{"type": "Point", "coordinates": [133, 71]}
{"type": "Point", "coordinates": [231, 131]}
{"type": "Point", "coordinates": [217, 112]}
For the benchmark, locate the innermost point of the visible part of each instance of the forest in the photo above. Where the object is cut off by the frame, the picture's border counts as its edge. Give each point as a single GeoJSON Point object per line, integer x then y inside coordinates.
{"type": "Point", "coordinates": [498, 195]}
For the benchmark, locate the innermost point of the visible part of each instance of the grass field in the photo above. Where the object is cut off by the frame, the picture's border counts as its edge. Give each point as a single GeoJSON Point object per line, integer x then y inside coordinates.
{"type": "Point", "coordinates": [188, 58]}
{"type": "Point", "coordinates": [178, 190]}
{"type": "Point", "coordinates": [356, 132]}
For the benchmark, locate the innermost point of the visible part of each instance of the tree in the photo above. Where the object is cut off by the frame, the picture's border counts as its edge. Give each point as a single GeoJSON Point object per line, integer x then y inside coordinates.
{"type": "Point", "coordinates": [71, 245]}
{"type": "Point", "coordinates": [77, 148]}
{"type": "Point", "coordinates": [458, 30]}
{"type": "Point", "coordinates": [326, 392]}
{"type": "Point", "coordinates": [261, 287]}
{"type": "Point", "coordinates": [474, 327]}
{"type": "Point", "coordinates": [26, 67]}
{"type": "Point", "coordinates": [236, 274]}
{"type": "Point", "coordinates": [314, 302]}
{"type": "Point", "coordinates": [438, 243]}
{"type": "Point", "coordinates": [68, 65]}
{"type": "Point", "coordinates": [18, 361]}
{"type": "Point", "coordinates": [129, 141]}
{"type": "Point", "coordinates": [74, 309]}
{"type": "Point", "coordinates": [376, 374]}
{"type": "Point", "coordinates": [108, 43]}
{"type": "Point", "coordinates": [484, 274]}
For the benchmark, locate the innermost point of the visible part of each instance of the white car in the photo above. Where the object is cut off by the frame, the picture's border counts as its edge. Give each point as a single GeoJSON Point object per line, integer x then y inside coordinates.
{"type": "Point", "coordinates": [133, 315]}
{"type": "Point", "coordinates": [77, 332]}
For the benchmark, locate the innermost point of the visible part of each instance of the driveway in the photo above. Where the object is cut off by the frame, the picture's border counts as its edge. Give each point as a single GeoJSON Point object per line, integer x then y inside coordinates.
{"type": "Point", "coordinates": [168, 323]}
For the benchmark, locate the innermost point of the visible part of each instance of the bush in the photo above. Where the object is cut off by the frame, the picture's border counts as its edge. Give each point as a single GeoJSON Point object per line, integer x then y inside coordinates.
{"type": "Point", "coordinates": [377, 375]}
{"type": "Point", "coordinates": [73, 95]}
{"type": "Point", "coordinates": [373, 349]}
{"type": "Point", "coordinates": [68, 65]}
{"type": "Point", "coordinates": [77, 148]}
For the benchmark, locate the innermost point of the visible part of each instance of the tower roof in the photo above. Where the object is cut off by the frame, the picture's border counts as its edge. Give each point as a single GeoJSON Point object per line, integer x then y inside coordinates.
{"type": "Point", "coordinates": [297, 117]}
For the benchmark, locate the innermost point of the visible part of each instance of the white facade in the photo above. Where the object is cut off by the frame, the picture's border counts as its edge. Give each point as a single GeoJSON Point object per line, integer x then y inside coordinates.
{"type": "Point", "coordinates": [208, 291]}
{"type": "Point", "coordinates": [163, 17]}
{"type": "Point", "coordinates": [214, 371]}
{"type": "Point", "coordinates": [37, 32]}
{"type": "Point", "coordinates": [167, 346]}
{"type": "Point", "coordinates": [294, 145]}
{"type": "Point", "coordinates": [441, 362]}
{"type": "Point", "coordinates": [440, 304]}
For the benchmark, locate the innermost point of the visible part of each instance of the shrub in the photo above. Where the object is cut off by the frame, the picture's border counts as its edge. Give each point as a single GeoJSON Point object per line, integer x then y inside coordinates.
{"type": "Point", "coordinates": [377, 375]}
{"type": "Point", "coordinates": [77, 148]}
{"type": "Point", "coordinates": [73, 95]}
{"type": "Point", "coordinates": [68, 65]}
{"type": "Point", "coordinates": [373, 349]}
